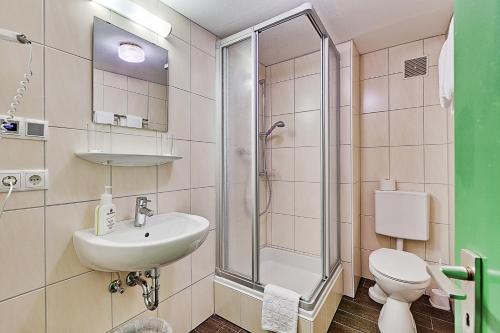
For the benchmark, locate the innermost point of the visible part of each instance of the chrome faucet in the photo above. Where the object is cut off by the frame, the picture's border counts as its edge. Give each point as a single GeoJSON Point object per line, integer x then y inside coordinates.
{"type": "Point", "coordinates": [142, 211]}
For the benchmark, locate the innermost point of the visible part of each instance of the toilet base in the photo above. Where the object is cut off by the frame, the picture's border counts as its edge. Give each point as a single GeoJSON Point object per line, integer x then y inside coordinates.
{"type": "Point", "coordinates": [377, 294]}
{"type": "Point", "coordinates": [395, 316]}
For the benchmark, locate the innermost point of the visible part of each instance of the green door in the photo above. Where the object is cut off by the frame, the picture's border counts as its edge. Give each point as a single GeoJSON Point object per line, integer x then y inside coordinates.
{"type": "Point", "coordinates": [477, 147]}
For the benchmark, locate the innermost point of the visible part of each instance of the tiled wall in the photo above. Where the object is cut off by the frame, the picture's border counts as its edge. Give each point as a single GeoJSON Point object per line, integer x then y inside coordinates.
{"type": "Point", "coordinates": [122, 95]}
{"type": "Point", "coordinates": [406, 136]}
{"type": "Point", "coordinates": [293, 154]}
{"type": "Point", "coordinates": [44, 288]}
{"type": "Point", "coordinates": [349, 167]}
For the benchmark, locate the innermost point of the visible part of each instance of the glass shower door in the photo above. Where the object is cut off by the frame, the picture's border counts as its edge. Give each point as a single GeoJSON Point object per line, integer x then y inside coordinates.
{"type": "Point", "coordinates": [239, 176]}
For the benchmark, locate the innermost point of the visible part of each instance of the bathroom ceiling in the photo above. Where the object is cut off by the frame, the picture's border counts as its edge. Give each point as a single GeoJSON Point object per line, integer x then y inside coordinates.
{"type": "Point", "coordinates": [372, 24]}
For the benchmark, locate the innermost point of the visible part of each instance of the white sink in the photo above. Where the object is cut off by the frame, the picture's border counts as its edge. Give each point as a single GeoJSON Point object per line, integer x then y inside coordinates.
{"type": "Point", "coordinates": [164, 239]}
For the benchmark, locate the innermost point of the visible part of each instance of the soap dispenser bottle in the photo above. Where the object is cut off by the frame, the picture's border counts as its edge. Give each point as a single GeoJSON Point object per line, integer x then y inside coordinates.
{"type": "Point", "coordinates": [105, 214]}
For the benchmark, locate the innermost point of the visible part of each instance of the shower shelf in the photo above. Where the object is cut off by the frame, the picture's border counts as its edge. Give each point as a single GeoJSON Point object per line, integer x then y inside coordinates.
{"type": "Point", "coordinates": [126, 159]}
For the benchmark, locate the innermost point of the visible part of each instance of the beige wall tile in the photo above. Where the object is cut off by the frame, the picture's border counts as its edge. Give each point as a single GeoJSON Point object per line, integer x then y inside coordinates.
{"type": "Point", "coordinates": [344, 50]}
{"type": "Point", "coordinates": [137, 104]}
{"type": "Point", "coordinates": [28, 199]}
{"type": "Point", "coordinates": [345, 203]}
{"type": "Point", "coordinates": [369, 239]}
{"type": "Point", "coordinates": [204, 258]}
{"type": "Point", "coordinates": [307, 199]}
{"type": "Point", "coordinates": [169, 311]}
{"type": "Point", "coordinates": [406, 127]}
{"type": "Point", "coordinates": [439, 202]}
{"type": "Point", "coordinates": [282, 97]}
{"type": "Point", "coordinates": [374, 163]}
{"type": "Point", "coordinates": [202, 39]}
{"type": "Point", "coordinates": [175, 201]}
{"type": "Point", "coordinates": [405, 93]}
{"type": "Point", "coordinates": [30, 158]}
{"type": "Point", "coordinates": [407, 164]}
{"type": "Point", "coordinates": [346, 242]}
{"type": "Point", "coordinates": [374, 129]}
{"type": "Point", "coordinates": [133, 85]}
{"type": "Point", "coordinates": [126, 305]}
{"type": "Point", "coordinates": [252, 310]}
{"type": "Point", "coordinates": [176, 175]}
{"type": "Point", "coordinates": [202, 164]}
{"type": "Point", "coordinates": [13, 67]}
{"type": "Point", "coordinates": [284, 136]}
{"type": "Point", "coordinates": [307, 93]}
{"type": "Point", "coordinates": [345, 86]}
{"type": "Point", "coordinates": [67, 299]}
{"type": "Point", "coordinates": [365, 267]}
{"type": "Point", "coordinates": [202, 119]}
{"type": "Point", "coordinates": [345, 125]}
{"type": "Point", "coordinates": [228, 303]}
{"type": "Point", "coordinates": [308, 235]}
{"type": "Point", "coordinates": [179, 115]}
{"type": "Point", "coordinates": [175, 277]}
{"type": "Point", "coordinates": [179, 69]}
{"type": "Point", "coordinates": [437, 247]}
{"type": "Point", "coordinates": [25, 16]}
{"type": "Point", "coordinates": [347, 277]}
{"type": "Point", "coordinates": [374, 95]}
{"type": "Point", "coordinates": [435, 126]}
{"type": "Point", "coordinates": [203, 204]}
{"type": "Point", "coordinates": [307, 164]}
{"type": "Point", "coordinates": [21, 254]}
{"type": "Point", "coordinates": [345, 156]}
{"type": "Point", "coordinates": [374, 64]}
{"type": "Point", "coordinates": [157, 111]}
{"type": "Point", "coordinates": [282, 71]}
{"type": "Point", "coordinates": [68, 78]}
{"type": "Point", "coordinates": [307, 128]}
{"type": "Point", "coordinates": [432, 48]}
{"type": "Point", "coordinates": [24, 314]}
{"type": "Point", "coordinates": [308, 64]}
{"type": "Point", "coordinates": [72, 172]}
{"type": "Point", "coordinates": [282, 197]}
{"type": "Point", "coordinates": [61, 221]}
{"type": "Point", "coordinates": [436, 166]}
{"type": "Point", "coordinates": [398, 55]}
{"type": "Point", "coordinates": [368, 197]}
{"type": "Point", "coordinates": [283, 231]}
{"type": "Point", "coordinates": [203, 300]}
{"type": "Point", "coordinates": [202, 73]}
{"type": "Point", "coordinates": [431, 87]}
{"type": "Point", "coordinates": [282, 163]}
{"type": "Point", "coordinates": [68, 25]}
{"type": "Point", "coordinates": [133, 180]}
{"type": "Point", "coordinates": [413, 246]}
{"type": "Point", "coordinates": [114, 80]}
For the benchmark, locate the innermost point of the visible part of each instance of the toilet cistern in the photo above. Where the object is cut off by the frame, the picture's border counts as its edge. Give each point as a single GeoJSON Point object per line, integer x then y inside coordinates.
{"type": "Point", "coordinates": [141, 211]}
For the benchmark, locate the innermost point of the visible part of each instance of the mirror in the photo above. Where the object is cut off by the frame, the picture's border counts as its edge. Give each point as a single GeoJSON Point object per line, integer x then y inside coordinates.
{"type": "Point", "coordinates": [130, 79]}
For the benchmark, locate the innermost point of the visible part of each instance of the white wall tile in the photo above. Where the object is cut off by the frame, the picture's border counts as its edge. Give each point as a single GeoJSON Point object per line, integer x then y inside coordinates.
{"type": "Point", "coordinates": [308, 64]}
{"type": "Point", "coordinates": [407, 163]}
{"type": "Point", "coordinates": [282, 163]}
{"type": "Point", "coordinates": [307, 93]}
{"type": "Point", "coordinates": [405, 93]}
{"type": "Point", "coordinates": [204, 258]}
{"type": "Point", "coordinates": [436, 166]}
{"type": "Point", "coordinates": [202, 39]}
{"type": "Point", "coordinates": [437, 247]}
{"type": "Point", "coordinates": [307, 128]}
{"type": "Point", "coordinates": [203, 301]}
{"type": "Point", "coordinates": [374, 95]}
{"type": "Point", "coordinates": [202, 164]}
{"type": "Point", "coordinates": [282, 198]}
{"type": "Point", "coordinates": [406, 127]}
{"type": "Point", "coordinates": [283, 231]}
{"type": "Point", "coordinates": [374, 163]}
{"type": "Point", "coordinates": [202, 73]}
{"type": "Point", "coordinates": [307, 199]}
{"type": "Point", "coordinates": [435, 126]}
{"type": "Point", "coordinates": [308, 235]}
{"type": "Point", "coordinates": [374, 129]}
{"type": "Point", "coordinates": [282, 71]}
{"type": "Point", "coordinates": [307, 164]}
{"type": "Point", "coordinates": [282, 99]}
{"type": "Point", "coordinates": [202, 119]}
{"type": "Point", "coordinates": [345, 86]}
{"type": "Point", "coordinates": [374, 64]}
{"type": "Point", "coordinates": [179, 115]}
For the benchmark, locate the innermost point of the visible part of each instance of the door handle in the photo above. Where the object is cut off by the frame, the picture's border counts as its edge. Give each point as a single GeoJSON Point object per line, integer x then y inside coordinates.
{"type": "Point", "coordinates": [442, 275]}
{"type": "Point", "coordinates": [470, 292]}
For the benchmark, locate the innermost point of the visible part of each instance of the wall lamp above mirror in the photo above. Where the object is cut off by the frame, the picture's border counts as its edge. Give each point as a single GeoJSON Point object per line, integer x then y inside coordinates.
{"type": "Point", "coordinates": [139, 15]}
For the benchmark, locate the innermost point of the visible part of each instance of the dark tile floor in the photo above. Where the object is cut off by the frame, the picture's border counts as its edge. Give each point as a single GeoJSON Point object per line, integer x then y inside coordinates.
{"type": "Point", "coordinates": [355, 315]}
{"type": "Point", "coordinates": [360, 314]}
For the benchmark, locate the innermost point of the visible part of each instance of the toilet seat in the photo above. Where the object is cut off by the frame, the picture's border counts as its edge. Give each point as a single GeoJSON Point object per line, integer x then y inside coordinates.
{"type": "Point", "coordinates": [400, 266]}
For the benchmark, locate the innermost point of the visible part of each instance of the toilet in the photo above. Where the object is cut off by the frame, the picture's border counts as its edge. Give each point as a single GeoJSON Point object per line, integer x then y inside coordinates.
{"type": "Point", "coordinates": [401, 277]}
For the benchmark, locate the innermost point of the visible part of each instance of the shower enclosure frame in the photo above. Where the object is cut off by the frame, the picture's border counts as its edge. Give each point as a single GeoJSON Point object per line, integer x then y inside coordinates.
{"type": "Point", "coordinates": [328, 268]}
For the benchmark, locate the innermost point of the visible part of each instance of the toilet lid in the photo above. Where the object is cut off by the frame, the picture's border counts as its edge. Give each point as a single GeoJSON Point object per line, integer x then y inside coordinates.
{"type": "Point", "coordinates": [399, 265]}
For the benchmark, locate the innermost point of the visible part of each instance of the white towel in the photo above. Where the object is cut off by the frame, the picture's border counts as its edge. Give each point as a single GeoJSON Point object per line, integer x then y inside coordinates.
{"type": "Point", "coordinates": [102, 117]}
{"type": "Point", "coordinates": [134, 121]}
{"type": "Point", "coordinates": [280, 309]}
{"type": "Point", "coordinates": [446, 70]}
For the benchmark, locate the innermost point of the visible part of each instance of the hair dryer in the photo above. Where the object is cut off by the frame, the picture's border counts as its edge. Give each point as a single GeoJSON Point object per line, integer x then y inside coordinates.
{"type": "Point", "coordinates": [13, 36]}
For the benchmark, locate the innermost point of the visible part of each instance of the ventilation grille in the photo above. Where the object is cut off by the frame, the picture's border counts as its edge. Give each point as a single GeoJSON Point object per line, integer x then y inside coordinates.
{"type": "Point", "coordinates": [415, 67]}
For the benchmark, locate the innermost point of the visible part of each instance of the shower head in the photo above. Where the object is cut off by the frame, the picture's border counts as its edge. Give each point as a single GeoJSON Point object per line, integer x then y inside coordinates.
{"type": "Point", "coordinates": [271, 129]}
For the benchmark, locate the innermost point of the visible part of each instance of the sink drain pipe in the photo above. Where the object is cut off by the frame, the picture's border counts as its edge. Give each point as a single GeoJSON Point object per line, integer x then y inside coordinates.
{"type": "Point", "coordinates": [150, 294]}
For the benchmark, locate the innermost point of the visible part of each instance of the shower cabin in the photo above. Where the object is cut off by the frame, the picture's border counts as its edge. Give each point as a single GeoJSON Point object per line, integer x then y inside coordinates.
{"type": "Point", "coordinates": [278, 179]}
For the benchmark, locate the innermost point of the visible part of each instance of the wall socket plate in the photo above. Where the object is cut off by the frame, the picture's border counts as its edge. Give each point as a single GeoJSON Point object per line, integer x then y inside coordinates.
{"type": "Point", "coordinates": [25, 180]}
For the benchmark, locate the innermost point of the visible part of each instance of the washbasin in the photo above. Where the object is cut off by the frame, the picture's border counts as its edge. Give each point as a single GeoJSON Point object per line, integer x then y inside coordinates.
{"type": "Point", "coordinates": [164, 239]}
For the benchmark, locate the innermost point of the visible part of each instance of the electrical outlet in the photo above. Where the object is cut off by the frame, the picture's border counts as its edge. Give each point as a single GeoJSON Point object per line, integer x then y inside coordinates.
{"type": "Point", "coordinates": [35, 179]}
{"type": "Point", "coordinates": [24, 180]}
{"type": "Point", "coordinates": [6, 177]}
